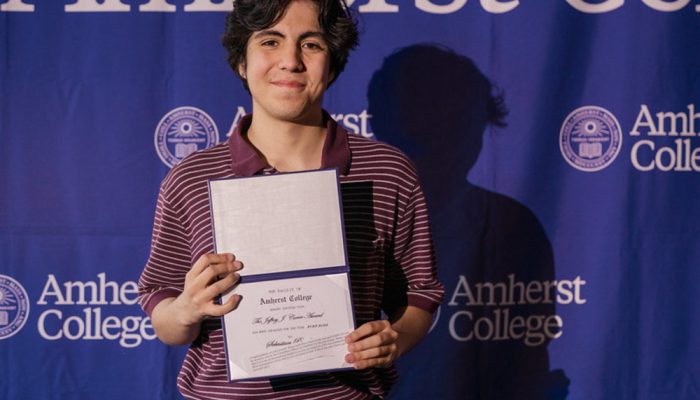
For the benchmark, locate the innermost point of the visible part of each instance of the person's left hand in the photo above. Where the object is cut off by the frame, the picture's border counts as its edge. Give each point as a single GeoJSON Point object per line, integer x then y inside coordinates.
{"type": "Point", "coordinates": [374, 344]}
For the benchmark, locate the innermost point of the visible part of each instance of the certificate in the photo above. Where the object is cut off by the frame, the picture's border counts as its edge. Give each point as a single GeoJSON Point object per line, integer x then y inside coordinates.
{"type": "Point", "coordinates": [296, 306]}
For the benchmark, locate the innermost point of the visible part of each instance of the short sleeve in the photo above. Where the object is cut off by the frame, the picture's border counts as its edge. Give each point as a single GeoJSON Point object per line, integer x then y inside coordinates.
{"type": "Point", "coordinates": [412, 267]}
{"type": "Point", "coordinates": [169, 259]}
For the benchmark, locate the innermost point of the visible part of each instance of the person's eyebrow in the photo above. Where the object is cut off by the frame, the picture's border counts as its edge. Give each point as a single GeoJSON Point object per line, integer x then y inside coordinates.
{"type": "Point", "coordinates": [312, 34]}
{"type": "Point", "coordinates": [272, 32]}
{"type": "Point", "coordinates": [268, 32]}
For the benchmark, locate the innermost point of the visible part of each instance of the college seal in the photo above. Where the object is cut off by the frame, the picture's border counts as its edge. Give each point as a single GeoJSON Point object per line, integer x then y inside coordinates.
{"type": "Point", "coordinates": [183, 131]}
{"type": "Point", "coordinates": [14, 307]}
{"type": "Point", "coordinates": [590, 138]}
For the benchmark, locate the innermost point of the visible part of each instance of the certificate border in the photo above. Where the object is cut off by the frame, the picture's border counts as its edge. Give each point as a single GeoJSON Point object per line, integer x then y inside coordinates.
{"type": "Point", "coordinates": [294, 274]}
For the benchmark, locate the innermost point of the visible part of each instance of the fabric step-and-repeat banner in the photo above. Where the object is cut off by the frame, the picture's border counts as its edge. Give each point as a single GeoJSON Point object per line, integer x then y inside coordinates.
{"type": "Point", "coordinates": [557, 142]}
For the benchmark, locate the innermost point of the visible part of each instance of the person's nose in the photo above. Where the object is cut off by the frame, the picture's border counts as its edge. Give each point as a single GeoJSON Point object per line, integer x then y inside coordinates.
{"type": "Point", "coordinates": [290, 58]}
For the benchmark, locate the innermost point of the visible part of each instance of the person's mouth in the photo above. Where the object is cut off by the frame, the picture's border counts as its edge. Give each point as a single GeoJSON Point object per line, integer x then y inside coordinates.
{"type": "Point", "coordinates": [289, 84]}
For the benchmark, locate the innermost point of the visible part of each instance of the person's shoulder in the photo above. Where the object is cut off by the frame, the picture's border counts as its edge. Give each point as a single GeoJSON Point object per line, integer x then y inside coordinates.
{"type": "Point", "coordinates": [199, 166]}
{"type": "Point", "coordinates": [362, 147]}
{"type": "Point", "coordinates": [381, 158]}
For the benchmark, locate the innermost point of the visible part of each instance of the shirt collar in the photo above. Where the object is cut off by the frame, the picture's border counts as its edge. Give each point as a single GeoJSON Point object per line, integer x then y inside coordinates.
{"type": "Point", "coordinates": [245, 160]}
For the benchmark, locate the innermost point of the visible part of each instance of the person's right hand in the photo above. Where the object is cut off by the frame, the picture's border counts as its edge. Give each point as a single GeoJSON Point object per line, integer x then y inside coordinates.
{"type": "Point", "coordinates": [210, 276]}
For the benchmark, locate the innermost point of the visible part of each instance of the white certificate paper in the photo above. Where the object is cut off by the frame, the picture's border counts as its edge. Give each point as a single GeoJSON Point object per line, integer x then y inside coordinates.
{"type": "Point", "coordinates": [296, 306]}
{"type": "Point", "coordinates": [282, 222]}
{"type": "Point", "coordinates": [289, 326]}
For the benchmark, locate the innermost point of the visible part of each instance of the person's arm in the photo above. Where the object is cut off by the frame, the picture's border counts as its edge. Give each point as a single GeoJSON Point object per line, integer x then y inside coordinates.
{"type": "Point", "coordinates": [380, 343]}
{"type": "Point", "coordinates": [411, 288]}
{"type": "Point", "coordinates": [177, 320]}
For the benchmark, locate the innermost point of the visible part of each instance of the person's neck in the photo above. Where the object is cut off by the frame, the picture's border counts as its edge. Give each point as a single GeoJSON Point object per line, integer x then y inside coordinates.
{"type": "Point", "coordinates": [288, 146]}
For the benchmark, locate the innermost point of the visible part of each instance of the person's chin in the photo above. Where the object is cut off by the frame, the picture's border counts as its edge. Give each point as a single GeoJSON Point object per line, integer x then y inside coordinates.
{"type": "Point", "coordinates": [296, 115]}
{"type": "Point", "coordinates": [296, 111]}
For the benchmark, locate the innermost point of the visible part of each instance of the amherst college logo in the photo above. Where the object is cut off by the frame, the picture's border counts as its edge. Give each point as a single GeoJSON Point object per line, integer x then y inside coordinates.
{"type": "Point", "coordinates": [14, 307]}
{"type": "Point", "coordinates": [590, 138]}
{"type": "Point", "coordinates": [183, 131]}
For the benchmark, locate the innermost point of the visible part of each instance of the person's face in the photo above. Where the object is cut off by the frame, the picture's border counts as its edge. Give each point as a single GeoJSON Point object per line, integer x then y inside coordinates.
{"type": "Point", "coordinates": [288, 66]}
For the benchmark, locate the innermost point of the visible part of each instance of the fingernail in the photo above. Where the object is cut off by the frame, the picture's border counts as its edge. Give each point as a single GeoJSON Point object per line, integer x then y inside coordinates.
{"type": "Point", "coordinates": [351, 347]}
{"type": "Point", "coordinates": [349, 359]}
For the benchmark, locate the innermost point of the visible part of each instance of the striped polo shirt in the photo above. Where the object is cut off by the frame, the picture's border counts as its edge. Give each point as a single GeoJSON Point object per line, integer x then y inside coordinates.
{"type": "Point", "coordinates": [392, 263]}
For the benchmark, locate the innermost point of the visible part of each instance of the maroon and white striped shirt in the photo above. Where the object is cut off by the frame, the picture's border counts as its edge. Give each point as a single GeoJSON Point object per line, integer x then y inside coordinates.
{"type": "Point", "coordinates": [392, 263]}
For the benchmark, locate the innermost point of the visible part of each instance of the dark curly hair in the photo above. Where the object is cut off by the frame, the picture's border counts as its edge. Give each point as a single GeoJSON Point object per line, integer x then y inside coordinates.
{"type": "Point", "coordinates": [248, 16]}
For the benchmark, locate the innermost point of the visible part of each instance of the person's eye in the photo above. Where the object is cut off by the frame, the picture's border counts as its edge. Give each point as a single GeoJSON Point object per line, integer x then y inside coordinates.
{"type": "Point", "coordinates": [312, 45]}
{"type": "Point", "coordinates": [269, 43]}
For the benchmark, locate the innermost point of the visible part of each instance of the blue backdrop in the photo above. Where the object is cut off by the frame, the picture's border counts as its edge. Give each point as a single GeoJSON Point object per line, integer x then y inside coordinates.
{"type": "Point", "coordinates": [566, 231]}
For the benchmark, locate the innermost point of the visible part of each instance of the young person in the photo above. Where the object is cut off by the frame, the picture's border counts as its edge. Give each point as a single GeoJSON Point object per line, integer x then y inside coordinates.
{"type": "Point", "coordinates": [287, 53]}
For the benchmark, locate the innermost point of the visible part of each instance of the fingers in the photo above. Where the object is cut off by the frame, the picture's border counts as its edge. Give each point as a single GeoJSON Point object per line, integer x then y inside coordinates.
{"type": "Point", "coordinates": [206, 260]}
{"type": "Point", "coordinates": [221, 286]}
{"type": "Point", "coordinates": [372, 344]}
{"type": "Point", "coordinates": [210, 276]}
{"type": "Point", "coordinates": [383, 337]}
{"type": "Point", "coordinates": [372, 352]}
{"type": "Point", "coordinates": [380, 357]}
{"type": "Point", "coordinates": [367, 329]}
{"type": "Point", "coordinates": [209, 268]}
{"type": "Point", "coordinates": [217, 310]}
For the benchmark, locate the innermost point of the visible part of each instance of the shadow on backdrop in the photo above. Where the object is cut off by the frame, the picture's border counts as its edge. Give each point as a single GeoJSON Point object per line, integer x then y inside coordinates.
{"type": "Point", "coordinates": [435, 105]}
